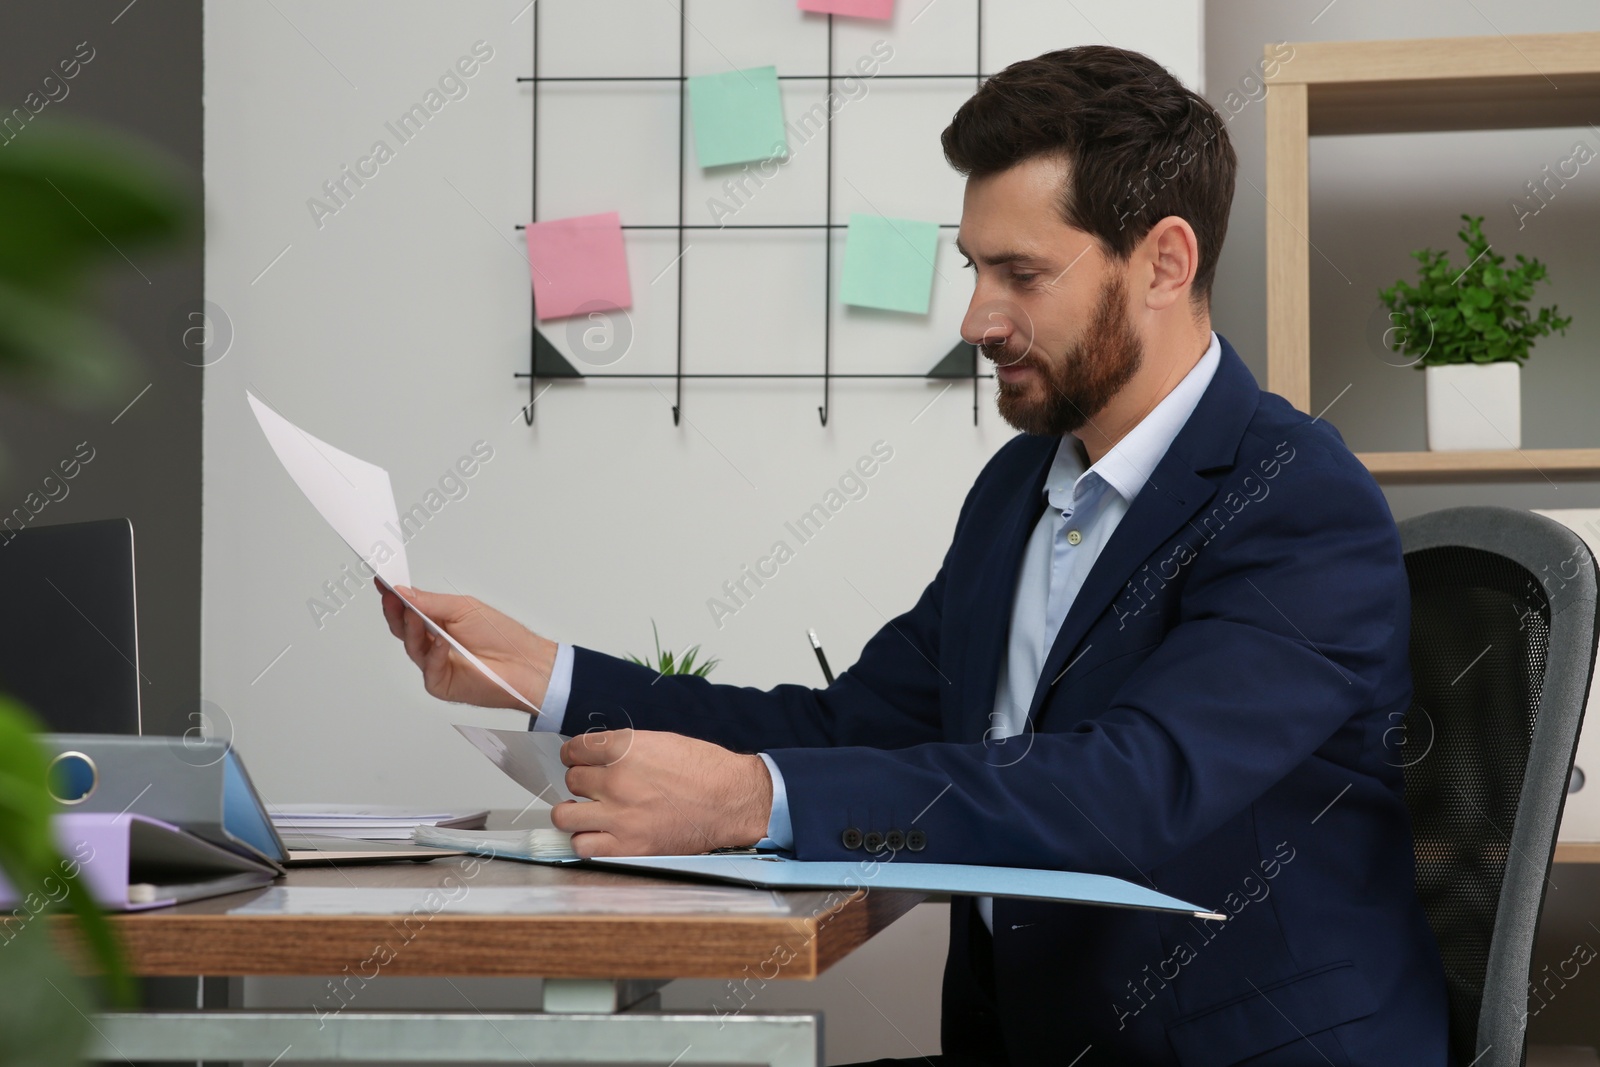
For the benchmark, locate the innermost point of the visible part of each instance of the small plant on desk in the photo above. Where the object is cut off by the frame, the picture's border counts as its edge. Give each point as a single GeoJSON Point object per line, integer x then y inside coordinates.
{"type": "Point", "coordinates": [667, 663]}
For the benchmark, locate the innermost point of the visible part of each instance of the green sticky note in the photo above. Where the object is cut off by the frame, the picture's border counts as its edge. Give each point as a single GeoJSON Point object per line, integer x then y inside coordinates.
{"type": "Point", "coordinates": [888, 263]}
{"type": "Point", "coordinates": [737, 117]}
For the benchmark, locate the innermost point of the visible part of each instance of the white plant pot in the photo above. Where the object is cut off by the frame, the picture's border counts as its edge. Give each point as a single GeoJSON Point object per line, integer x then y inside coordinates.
{"type": "Point", "coordinates": [1474, 406]}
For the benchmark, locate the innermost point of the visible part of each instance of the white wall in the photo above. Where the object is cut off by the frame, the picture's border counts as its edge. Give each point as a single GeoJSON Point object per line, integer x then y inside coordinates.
{"type": "Point", "coordinates": [393, 329]}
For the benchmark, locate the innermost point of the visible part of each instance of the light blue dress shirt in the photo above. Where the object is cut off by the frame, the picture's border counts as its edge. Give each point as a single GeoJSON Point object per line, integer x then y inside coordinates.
{"type": "Point", "coordinates": [1085, 506]}
{"type": "Point", "coordinates": [553, 711]}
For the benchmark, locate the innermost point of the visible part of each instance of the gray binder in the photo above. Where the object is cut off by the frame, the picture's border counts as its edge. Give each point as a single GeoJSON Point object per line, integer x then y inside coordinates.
{"type": "Point", "coordinates": [200, 785]}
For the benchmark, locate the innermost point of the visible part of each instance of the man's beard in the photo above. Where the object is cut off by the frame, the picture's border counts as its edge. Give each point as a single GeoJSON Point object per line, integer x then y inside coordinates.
{"type": "Point", "coordinates": [1072, 389]}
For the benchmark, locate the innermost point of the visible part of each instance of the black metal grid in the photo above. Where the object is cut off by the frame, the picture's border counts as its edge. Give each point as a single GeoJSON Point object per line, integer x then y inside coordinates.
{"type": "Point", "coordinates": [545, 361]}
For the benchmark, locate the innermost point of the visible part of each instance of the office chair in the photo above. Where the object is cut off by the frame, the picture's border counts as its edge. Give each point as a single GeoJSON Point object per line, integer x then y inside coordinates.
{"type": "Point", "coordinates": [1503, 623]}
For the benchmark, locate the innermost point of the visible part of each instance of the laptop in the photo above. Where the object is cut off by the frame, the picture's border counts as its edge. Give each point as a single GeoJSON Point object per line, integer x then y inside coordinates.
{"type": "Point", "coordinates": [71, 653]}
{"type": "Point", "coordinates": [76, 665]}
{"type": "Point", "coordinates": [311, 850]}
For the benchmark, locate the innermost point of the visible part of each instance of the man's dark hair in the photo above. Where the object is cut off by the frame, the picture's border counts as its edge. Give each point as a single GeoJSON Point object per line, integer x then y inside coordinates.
{"type": "Point", "coordinates": [1139, 146]}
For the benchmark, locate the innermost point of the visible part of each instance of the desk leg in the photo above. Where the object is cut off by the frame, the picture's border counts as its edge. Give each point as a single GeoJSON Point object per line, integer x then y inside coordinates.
{"type": "Point", "coordinates": [658, 1039]}
{"type": "Point", "coordinates": [200, 992]}
{"type": "Point", "coordinates": [599, 996]}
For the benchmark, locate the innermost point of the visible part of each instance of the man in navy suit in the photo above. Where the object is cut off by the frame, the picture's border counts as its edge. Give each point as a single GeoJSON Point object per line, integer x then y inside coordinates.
{"type": "Point", "coordinates": [1168, 643]}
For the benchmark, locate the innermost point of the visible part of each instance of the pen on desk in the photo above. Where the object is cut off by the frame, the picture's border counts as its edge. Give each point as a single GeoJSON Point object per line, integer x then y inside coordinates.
{"type": "Point", "coordinates": [816, 646]}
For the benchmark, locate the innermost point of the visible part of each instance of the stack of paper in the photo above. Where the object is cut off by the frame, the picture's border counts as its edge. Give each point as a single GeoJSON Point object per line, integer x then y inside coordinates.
{"type": "Point", "coordinates": [539, 843]}
{"type": "Point", "coordinates": [367, 822]}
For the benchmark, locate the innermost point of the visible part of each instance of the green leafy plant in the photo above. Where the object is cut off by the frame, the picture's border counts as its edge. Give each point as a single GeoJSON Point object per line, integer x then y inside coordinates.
{"type": "Point", "coordinates": [43, 1004]}
{"type": "Point", "coordinates": [72, 198]}
{"type": "Point", "coordinates": [1477, 313]}
{"type": "Point", "coordinates": [75, 198]}
{"type": "Point", "coordinates": [667, 663]}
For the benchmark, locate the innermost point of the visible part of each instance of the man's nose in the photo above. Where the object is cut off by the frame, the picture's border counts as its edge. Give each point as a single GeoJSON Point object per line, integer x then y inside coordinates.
{"type": "Point", "coordinates": [986, 323]}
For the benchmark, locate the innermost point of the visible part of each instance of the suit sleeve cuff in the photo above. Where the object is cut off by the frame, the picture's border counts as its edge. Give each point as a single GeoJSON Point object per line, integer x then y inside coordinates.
{"type": "Point", "coordinates": [780, 832]}
{"type": "Point", "coordinates": [553, 712]}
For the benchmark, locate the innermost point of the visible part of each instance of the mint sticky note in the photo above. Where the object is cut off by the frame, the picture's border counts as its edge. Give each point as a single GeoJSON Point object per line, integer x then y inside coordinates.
{"type": "Point", "coordinates": [578, 264]}
{"type": "Point", "coordinates": [888, 263]}
{"type": "Point", "coordinates": [737, 117]}
{"type": "Point", "coordinates": [861, 9]}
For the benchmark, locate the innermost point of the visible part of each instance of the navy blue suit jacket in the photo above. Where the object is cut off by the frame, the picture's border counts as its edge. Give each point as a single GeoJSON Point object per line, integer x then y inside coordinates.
{"type": "Point", "coordinates": [1218, 717]}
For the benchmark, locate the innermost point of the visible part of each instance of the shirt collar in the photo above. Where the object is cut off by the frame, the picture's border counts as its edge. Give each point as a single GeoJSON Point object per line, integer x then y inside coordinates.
{"type": "Point", "coordinates": [1130, 462]}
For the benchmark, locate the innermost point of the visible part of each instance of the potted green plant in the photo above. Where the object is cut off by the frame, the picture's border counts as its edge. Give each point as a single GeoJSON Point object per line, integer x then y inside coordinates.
{"type": "Point", "coordinates": [1469, 330]}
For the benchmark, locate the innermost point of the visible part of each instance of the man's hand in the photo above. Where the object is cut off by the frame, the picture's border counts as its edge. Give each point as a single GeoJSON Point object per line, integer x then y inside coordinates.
{"type": "Point", "coordinates": [511, 650]}
{"type": "Point", "coordinates": [660, 794]}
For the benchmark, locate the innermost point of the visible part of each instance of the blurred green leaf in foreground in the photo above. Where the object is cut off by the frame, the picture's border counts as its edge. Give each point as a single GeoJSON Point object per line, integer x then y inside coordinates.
{"type": "Point", "coordinates": [76, 201]}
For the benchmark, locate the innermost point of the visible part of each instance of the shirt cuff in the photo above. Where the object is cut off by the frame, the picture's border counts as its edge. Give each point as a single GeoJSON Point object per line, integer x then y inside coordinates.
{"type": "Point", "coordinates": [553, 711]}
{"type": "Point", "coordinates": [780, 831]}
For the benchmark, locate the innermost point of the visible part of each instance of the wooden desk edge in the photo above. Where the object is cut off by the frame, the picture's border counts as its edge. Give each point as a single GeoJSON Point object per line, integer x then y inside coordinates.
{"type": "Point", "coordinates": [528, 946]}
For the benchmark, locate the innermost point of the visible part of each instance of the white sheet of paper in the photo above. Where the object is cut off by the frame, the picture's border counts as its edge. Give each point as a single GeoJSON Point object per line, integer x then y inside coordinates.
{"type": "Point", "coordinates": [530, 758]}
{"type": "Point", "coordinates": [354, 496]}
{"type": "Point", "coordinates": [356, 499]}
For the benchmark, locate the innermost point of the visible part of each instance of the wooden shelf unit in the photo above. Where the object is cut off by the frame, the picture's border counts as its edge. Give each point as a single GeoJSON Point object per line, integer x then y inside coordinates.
{"type": "Point", "coordinates": [1577, 852]}
{"type": "Point", "coordinates": [1497, 464]}
{"type": "Point", "coordinates": [1406, 86]}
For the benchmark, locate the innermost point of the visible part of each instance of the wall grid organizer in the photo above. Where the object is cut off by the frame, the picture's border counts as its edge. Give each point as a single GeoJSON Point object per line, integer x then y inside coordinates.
{"type": "Point", "coordinates": [545, 361]}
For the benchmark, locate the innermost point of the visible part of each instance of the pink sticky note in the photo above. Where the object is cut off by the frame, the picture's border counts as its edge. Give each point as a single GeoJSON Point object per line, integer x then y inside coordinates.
{"type": "Point", "coordinates": [578, 264]}
{"type": "Point", "coordinates": [861, 9]}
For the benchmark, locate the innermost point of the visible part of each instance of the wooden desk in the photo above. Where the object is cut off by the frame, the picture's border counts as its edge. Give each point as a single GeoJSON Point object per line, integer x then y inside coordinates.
{"type": "Point", "coordinates": [202, 938]}
{"type": "Point", "coordinates": [599, 969]}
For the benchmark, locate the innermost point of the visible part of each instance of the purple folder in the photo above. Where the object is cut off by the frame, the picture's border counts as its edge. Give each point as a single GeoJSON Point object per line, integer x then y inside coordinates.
{"type": "Point", "coordinates": [131, 862]}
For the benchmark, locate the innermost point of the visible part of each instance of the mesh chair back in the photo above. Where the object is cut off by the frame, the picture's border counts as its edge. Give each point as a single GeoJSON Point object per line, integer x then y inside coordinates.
{"type": "Point", "coordinates": [1503, 625]}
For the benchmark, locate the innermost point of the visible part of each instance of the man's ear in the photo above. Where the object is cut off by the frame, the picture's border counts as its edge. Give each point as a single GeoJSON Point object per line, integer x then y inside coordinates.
{"type": "Point", "coordinates": [1170, 254]}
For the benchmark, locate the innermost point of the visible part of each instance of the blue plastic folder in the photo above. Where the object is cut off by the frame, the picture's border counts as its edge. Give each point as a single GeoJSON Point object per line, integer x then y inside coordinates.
{"type": "Point", "coordinates": [774, 872]}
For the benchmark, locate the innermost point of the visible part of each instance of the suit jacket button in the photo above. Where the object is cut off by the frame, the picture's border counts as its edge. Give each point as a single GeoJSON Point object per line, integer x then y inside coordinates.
{"type": "Point", "coordinates": [895, 840]}
{"type": "Point", "coordinates": [873, 841]}
{"type": "Point", "coordinates": [851, 838]}
{"type": "Point", "coordinates": [916, 841]}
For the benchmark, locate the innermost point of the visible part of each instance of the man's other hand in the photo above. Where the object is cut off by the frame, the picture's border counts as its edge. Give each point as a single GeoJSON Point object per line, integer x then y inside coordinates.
{"type": "Point", "coordinates": [660, 794]}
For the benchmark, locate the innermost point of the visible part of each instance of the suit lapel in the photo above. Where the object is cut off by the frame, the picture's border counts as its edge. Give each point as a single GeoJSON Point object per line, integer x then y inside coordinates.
{"type": "Point", "coordinates": [1174, 492]}
{"type": "Point", "coordinates": [1154, 516]}
{"type": "Point", "coordinates": [990, 622]}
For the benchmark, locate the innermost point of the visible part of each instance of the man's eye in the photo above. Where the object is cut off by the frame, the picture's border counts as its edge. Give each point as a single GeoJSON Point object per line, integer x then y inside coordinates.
{"type": "Point", "coordinates": [1023, 279]}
